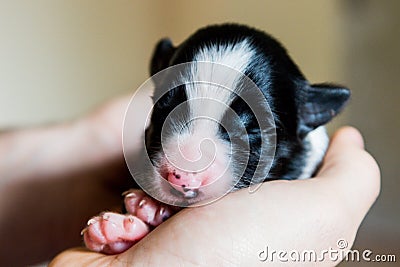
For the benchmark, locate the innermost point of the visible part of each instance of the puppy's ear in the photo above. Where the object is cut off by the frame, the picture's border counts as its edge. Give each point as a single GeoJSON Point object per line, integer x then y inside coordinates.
{"type": "Point", "coordinates": [161, 56]}
{"type": "Point", "coordinates": [318, 104]}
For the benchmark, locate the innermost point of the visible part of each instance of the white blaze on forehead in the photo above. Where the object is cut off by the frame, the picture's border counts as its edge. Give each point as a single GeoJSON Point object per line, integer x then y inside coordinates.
{"type": "Point", "coordinates": [216, 81]}
{"type": "Point", "coordinates": [210, 88]}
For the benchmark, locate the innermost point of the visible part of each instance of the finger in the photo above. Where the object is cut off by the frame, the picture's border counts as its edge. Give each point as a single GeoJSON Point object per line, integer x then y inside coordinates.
{"type": "Point", "coordinates": [81, 257]}
{"type": "Point", "coordinates": [350, 171]}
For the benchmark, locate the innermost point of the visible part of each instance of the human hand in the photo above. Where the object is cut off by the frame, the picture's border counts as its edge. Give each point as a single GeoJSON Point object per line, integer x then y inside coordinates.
{"type": "Point", "coordinates": [53, 178]}
{"type": "Point", "coordinates": [283, 215]}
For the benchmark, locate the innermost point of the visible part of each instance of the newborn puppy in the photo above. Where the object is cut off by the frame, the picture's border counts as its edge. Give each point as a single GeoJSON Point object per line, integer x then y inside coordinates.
{"type": "Point", "coordinates": [264, 123]}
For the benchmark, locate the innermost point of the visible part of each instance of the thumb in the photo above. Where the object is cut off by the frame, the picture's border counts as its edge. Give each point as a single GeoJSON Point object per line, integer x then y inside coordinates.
{"type": "Point", "coordinates": [351, 171]}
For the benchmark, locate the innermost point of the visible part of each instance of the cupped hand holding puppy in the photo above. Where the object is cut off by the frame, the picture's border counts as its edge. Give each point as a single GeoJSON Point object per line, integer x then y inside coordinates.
{"type": "Point", "coordinates": [296, 215]}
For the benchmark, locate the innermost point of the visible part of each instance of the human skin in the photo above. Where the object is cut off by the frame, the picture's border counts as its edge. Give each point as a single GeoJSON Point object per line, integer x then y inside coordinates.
{"type": "Point", "coordinates": [297, 215]}
{"type": "Point", "coordinates": [53, 178]}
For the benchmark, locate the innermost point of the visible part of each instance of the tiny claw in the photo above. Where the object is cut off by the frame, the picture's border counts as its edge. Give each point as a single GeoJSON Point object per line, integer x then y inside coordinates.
{"type": "Point", "coordinates": [131, 220]}
{"type": "Point", "coordinates": [105, 217]}
{"type": "Point", "coordinates": [162, 210]}
{"type": "Point", "coordinates": [84, 230]}
{"type": "Point", "coordinates": [141, 203]}
{"type": "Point", "coordinates": [91, 221]}
{"type": "Point", "coordinates": [128, 193]}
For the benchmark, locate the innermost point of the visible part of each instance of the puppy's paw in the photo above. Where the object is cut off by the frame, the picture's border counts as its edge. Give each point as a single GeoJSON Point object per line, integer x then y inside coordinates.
{"type": "Point", "coordinates": [113, 233]}
{"type": "Point", "coordinates": [149, 210]}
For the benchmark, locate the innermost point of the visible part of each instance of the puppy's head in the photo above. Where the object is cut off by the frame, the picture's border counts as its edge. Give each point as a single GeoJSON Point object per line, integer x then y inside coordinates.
{"type": "Point", "coordinates": [238, 107]}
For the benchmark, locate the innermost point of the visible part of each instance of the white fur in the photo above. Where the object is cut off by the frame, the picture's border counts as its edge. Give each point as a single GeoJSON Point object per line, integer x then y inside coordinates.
{"type": "Point", "coordinates": [236, 56]}
{"type": "Point", "coordinates": [210, 90]}
{"type": "Point", "coordinates": [318, 141]}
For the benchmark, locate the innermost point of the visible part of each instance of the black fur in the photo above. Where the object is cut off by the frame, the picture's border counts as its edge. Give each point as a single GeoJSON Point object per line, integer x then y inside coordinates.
{"type": "Point", "coordinates": [297, 106]}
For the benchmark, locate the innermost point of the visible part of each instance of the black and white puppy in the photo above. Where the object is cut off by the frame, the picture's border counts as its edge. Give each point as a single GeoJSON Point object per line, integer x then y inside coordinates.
{"type": "Point", "coordinates": [298, 109]}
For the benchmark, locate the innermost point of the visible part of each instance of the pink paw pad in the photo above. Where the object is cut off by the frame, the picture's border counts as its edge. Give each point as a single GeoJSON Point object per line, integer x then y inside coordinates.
{"type": "Point", "coordinates": [113, 233]}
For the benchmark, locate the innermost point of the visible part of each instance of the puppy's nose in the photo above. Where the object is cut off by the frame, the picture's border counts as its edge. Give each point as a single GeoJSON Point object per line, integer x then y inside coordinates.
{"type": "Point", "coordinates": [185, 182]}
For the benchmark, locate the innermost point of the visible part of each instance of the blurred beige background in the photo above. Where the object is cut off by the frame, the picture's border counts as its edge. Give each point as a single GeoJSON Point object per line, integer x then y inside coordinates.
{"type": "Point", "coordinates": [59, 59]}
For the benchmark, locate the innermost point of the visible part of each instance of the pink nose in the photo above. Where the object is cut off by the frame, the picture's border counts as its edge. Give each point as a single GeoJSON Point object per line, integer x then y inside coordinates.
{"type": "Point", "coordinates": [191, 166]}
